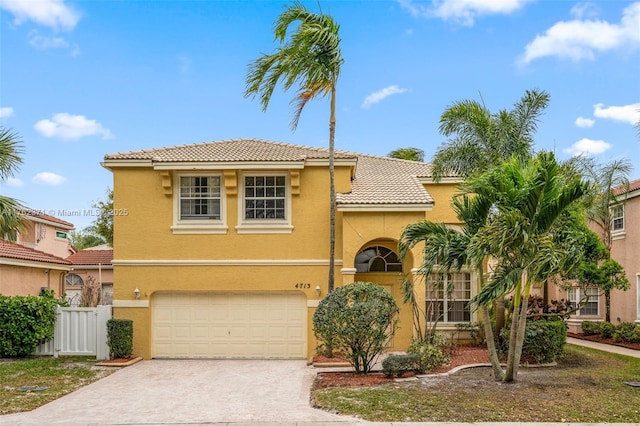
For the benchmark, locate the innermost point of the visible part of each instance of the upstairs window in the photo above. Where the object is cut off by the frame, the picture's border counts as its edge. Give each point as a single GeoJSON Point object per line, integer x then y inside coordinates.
{"type": "Point", "coordinates": [265, 197]}
{"type": "Point", "coordinates": [199, 198]}
{"type": "Point", "coordinates": [617, 218]}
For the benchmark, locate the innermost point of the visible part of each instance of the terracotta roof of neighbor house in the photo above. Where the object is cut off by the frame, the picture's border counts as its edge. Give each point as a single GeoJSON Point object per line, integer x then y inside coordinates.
{"type": "Point", "coordinates": [634, 185]}
{"type": "Point", "coordinates": [378, 180]}
{"type": "Point", "coordinates": [92, 257]}
{"type": "Point", "coordinates": [38, 214]}
{"type": "Point", "coordinates": [12, 250]}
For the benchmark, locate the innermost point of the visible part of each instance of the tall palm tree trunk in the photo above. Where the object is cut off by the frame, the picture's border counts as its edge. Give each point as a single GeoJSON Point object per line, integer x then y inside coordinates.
{"type": "Point", "coordinates": [516, 339]}
{"type": "Point", "coordinates": [332, 187]}
{"type": "Point", "coordinates": [498, 374]}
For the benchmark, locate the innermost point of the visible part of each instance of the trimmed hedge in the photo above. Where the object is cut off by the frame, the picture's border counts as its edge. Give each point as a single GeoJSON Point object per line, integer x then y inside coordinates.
{"type": "Point", "coordinates": [591, 328]}
{"type": "Point", "coordinates": [607, 329]}
{"type": "Point", "coordinates": [397, 365]}
{"type": "Point", "coordinates": [627, 332]}
{"type": "Point", "coordinates": [25, 322]}
{"type": "Point", "coordinates": [430, 355]}
{"type": "Point", "coordinates": [543, 341]}
{"type": "Point", "coordinates": [120, 338]}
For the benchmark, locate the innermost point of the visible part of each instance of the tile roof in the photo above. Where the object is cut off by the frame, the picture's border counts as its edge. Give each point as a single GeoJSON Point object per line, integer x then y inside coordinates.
{"type": "Point", "coordinates": [634, 185]}
{"type": "Point", "coordinates": [378, 180]}
{"type": "Point", "coordinates": [12, 250]}
{"type": "Point", "coordinates": [38, 214]}
{"type": "Point", "coordinates": [228, 151]}
{"type": "Point", "coordinates": [92, 257]}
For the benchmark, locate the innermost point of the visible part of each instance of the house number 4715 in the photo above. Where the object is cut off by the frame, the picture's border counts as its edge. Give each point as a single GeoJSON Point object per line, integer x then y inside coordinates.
{"type": "Point", "coordinates": [303, 285]}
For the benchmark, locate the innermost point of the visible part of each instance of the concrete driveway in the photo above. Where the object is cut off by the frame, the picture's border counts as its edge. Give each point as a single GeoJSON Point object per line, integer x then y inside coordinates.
{"type": "Point", "coordinates": [188, 391]}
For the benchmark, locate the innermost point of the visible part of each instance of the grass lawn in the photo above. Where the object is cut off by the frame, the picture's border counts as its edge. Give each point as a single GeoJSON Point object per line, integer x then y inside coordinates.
{"type": "Point", "coordinates": [586, 386]}
{"type": "Point", "coordinates": [59, 375]}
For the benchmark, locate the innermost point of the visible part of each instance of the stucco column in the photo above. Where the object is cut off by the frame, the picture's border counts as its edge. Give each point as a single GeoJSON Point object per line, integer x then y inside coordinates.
{"type": "Point", "coordinates": [348, 275]}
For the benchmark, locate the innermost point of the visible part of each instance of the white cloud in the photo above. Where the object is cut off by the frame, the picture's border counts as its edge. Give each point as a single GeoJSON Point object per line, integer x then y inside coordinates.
{"type": "Point", "coordinates": [625, 113]}
{"type": "Point", "coordinates": [11, 181]}
{"type": "Point", "coordinates": [463, 11]}
{"type": "Point", "coordinates": [583, 10]}
{"type": "Point", "coordinates": [50, 13]}
{"type": "Point", "coordinates": [70, 127]}
{"type": "Point", "coordinates": [588, 146]}
{"type": "Point", "coordinates": [6, 112]}
{"type": "Point", "coordinates": [585, 122]}
{"type": "Point", "coordinates": [44, 43]}
{"type": "Point", "coordinates": [581, 39]}
{"type": "Point", "coordinates": [376, 97]}
{"type": "Point", "coordinates": [48, 178]}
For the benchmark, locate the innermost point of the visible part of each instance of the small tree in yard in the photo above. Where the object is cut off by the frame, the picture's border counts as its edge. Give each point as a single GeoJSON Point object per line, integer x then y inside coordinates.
{"type": "Point", "coordinates": [356, 320]}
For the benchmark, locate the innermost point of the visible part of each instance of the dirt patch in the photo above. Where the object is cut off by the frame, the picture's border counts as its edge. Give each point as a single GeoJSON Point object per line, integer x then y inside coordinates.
{"type": "Point", "coordinates": [462, 355]}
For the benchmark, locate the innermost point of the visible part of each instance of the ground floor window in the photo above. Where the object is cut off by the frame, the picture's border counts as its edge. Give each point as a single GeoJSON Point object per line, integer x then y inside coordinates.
{"type": "Point", "coordinates": [448, 297]}
{"type": "Point", "coordinates": [586, 298]}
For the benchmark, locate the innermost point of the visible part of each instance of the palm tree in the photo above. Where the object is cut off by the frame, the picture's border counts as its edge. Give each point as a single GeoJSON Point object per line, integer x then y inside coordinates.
{"type": "Point", "coordinates": [410, 153]}
{"type": "Point", "coordinates": [310, 60]}
{"type": "Point", "coordinates": [479, 140]}
{"type": "Point", "coordinates": [527, 198]}
{"type": "Point", "coordinates": [11, 151]}
{"type": "Point", "coordinates": [447, 248]}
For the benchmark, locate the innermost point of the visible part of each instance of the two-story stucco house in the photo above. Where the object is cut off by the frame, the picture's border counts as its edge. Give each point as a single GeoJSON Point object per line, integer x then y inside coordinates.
{"type": "Point", "coordinates": [221, 249]}
{"type": "Point", "coordinates": [37, 259]}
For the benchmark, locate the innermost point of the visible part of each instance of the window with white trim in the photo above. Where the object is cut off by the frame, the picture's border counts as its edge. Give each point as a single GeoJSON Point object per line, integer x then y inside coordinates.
{"type": "Point", "coordinates": [74, 280]}
{"type": "Point", "coordinates": [377, 259]}
{"type": "Point", "coordinates": [199, 198]}
{"type": "Point", "coordinates": [198, 204]}
{"type": "Point", "coordinates": [265, 205]}
{"type": "Point", "coordinates": [448, 297]}
{"type": "Point", "coordinates": [587, 297]}
{"type": "Point", "coordinates": [617, 218]}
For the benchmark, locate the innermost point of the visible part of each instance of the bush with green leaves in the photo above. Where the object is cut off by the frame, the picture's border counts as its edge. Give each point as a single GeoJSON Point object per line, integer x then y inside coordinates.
{"type": "Point", "coordinates": [356, 320]}
{"type": "Point", "coordinates": [25, 322]}
{"type": "Point", "coordinates": [543, 341]}
{"type": "Point", "coordinates": [627, 332]}
{"type": "Point", "coordinates": [607, 329]}
{"type": "Point", "coordinates": [397, 365]}
{"type": "Point", "coordinates": [591, 328]}
{"type": "Point", "coordinates": [431, 355]}
{"type": "Point", "coordinates": [120, 338]}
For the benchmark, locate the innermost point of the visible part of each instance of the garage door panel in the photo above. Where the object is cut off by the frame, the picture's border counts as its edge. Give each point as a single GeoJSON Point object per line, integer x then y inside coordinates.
{"type": "Point", "coordinates": [229, 325]}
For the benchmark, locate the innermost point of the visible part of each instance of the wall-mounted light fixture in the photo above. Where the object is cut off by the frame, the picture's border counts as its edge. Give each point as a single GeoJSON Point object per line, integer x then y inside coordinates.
{"type": "Point", "coordinates": [136, 293]}
{"type": "Point", "coordinates": [317, 290]}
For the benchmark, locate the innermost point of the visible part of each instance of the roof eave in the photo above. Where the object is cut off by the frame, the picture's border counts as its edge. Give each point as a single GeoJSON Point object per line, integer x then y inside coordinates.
{"type": "Point", "coordinates": [363, 207]}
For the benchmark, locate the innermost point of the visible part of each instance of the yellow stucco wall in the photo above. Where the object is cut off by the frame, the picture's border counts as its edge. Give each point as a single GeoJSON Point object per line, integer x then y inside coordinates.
{"type": "Point", "coordinates": [150, 257]}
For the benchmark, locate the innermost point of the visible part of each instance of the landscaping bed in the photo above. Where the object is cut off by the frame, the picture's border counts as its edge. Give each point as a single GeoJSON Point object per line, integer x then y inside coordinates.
{"type": "Point", "coordinates": [609, 341]}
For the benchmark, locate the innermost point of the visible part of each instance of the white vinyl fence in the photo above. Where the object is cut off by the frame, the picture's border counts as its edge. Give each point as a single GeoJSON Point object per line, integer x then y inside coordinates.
{"type": "Point", "coordinates": [79, 331]}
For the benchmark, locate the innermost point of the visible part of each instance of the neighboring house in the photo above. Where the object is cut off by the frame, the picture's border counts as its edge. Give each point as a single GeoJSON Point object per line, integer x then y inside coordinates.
{"type": "Point", "coordinates": [221, 249]}
{"type": "Point", "coordinates": [625, 249]}
{"type": "Point", "coordinates": [36, 259]}
{"type": "Point", "coordinates": [91, 264]}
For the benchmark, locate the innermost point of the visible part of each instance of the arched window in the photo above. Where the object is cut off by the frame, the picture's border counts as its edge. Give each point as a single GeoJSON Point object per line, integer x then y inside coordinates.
{"type": "Point", "coordinates": [378, 259]}
{"type": "Point", "coordinates": [74, 280]}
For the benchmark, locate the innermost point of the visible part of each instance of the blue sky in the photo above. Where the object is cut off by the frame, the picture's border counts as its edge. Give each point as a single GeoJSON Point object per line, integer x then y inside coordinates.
{"type": "Point", "coordinates": [80, 79]}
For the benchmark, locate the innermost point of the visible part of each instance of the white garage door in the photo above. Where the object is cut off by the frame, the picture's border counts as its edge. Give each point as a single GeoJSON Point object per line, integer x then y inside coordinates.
{"type": "Point", "coordinates": [229, 325]}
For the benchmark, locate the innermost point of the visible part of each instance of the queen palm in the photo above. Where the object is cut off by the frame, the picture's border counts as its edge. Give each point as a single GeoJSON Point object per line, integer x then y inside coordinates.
{"type": "Point", "coordinates": [447, 248]}
{"type": "Point", "coordinates": [479, 140]}
{"type": "Point", "coordinates": [10, 160]}
{"type": "Point", "coordinates": [527, 199]}
{"type": "Point", "coordinates": [310, 60]}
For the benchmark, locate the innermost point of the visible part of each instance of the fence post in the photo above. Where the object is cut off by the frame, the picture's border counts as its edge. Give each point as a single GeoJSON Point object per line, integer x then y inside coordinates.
{"type": "Point", "coordinates": [57, 333]}
{"type": "Point", "coordinates": [102, 349]}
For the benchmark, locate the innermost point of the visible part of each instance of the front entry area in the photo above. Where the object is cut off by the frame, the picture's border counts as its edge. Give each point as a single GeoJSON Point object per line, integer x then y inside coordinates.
{"type": "Point", "coordinates": [255, 325]}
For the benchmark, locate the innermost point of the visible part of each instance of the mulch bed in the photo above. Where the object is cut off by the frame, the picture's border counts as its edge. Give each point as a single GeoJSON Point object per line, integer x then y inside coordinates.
{"type": "Point", "coordinates": [608, 341]}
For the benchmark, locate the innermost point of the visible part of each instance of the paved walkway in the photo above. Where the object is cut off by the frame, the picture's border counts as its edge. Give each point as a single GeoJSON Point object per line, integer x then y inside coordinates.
{"type": "Point", "coordinates": [604, 347]}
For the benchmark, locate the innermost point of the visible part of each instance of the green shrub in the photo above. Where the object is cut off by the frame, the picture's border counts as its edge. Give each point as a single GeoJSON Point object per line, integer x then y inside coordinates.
{"type": "Point", "coordinates": [356, 320]}
{"type": "Point", "coordinates": [397, 365]}
{"type": "Point", "coordinates": [607, 329]}
{"type": "Point", "coordinates": [25, 322]}
{"type": "Point", "coordinates": [120, 338]}
{"type": "Point", "coordinates": [431, 355]}
{"type": "Point", "coordinates": [543, 341]}
{"type": "Point", "coordinates": [590, 328]}
{"type": "Point", "coordinates": [627, 332]}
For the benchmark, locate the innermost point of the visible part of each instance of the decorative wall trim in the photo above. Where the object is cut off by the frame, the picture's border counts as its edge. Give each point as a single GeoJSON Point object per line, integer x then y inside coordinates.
{"type": "Point", "coordinates": [224, 262]}
{"type": "Point", "coordinates": [130, 304]}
